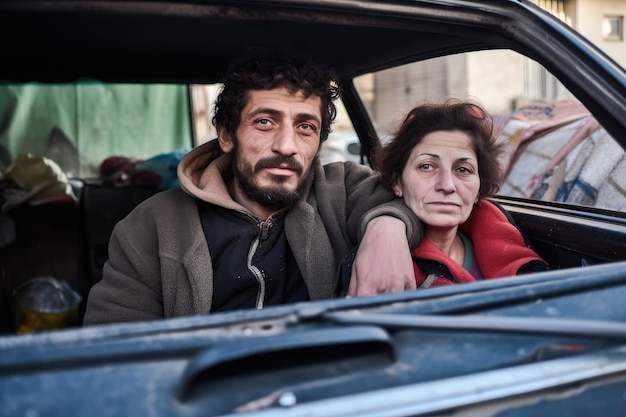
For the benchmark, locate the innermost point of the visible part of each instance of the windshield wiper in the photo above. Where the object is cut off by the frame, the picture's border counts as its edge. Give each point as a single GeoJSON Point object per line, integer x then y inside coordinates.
{"type": "Point", "coordinates": [596, 329]}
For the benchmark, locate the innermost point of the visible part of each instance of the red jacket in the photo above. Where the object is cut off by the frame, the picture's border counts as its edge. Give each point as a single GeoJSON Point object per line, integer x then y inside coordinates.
{"type": "Point", "coordinates": [500, 250]}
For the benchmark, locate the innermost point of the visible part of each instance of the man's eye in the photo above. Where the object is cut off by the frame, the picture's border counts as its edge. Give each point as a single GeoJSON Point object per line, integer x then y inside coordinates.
{"type": "Point", "coordinates": [307, 129]}
{"type": "Point", "coordinates": [263, 121]}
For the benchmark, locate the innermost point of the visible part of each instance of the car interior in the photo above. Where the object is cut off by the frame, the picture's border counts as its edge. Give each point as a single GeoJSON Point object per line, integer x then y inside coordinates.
{"type": "Point", "coordinates": [111, 158]}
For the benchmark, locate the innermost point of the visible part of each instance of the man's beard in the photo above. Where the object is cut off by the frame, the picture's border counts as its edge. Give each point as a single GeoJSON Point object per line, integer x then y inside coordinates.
{"type": "Point", "coordinates": [274, 198]}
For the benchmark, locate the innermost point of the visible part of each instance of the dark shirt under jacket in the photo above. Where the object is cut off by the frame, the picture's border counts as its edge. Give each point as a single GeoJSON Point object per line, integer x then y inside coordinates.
{"type": "Point", "coordinates": [253, 265]}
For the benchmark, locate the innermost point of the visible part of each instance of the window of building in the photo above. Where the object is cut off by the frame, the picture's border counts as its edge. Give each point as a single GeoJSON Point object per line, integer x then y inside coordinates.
{"type": "Point", "coordinates": [613, 28]}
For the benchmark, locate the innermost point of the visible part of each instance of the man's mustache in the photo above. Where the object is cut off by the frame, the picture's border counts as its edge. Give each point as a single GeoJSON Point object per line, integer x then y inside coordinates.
{"type": "Point", "coordinates": [276, 161]}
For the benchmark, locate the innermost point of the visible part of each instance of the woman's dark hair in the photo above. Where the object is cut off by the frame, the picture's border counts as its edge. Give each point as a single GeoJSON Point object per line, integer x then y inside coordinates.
{"type": "Point", "coordinates": [261, 70]}
{"type": "Point", "coordinates": [463, 116]}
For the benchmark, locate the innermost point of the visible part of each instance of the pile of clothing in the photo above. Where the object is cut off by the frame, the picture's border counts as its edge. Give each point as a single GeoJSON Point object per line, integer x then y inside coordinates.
{"type": "Point", "coordinates": [158, 171]}
{"type": "Point", "coordinates": [33, 179]}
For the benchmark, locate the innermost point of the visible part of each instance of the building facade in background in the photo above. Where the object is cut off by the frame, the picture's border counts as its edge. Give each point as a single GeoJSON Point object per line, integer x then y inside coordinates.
{"type": "Point", "coordinates": [500, 80]}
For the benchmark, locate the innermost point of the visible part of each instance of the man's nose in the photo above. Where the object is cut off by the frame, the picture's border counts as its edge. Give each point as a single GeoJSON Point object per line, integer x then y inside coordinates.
{"type": "Point", "coordinates": [285, 141]}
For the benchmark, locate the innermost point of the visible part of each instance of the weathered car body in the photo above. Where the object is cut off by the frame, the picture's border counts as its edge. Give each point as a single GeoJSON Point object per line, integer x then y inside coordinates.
{"type": "Point", "coordinates": [541, 345]}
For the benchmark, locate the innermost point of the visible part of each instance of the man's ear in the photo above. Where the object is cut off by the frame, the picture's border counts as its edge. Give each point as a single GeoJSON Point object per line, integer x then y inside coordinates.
{"type": "Point", "coordinates": [225, 140]}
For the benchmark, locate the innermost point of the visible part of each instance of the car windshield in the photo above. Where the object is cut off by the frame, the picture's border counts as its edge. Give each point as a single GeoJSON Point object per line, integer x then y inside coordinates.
{"type": "Point", "coordinates": [102, 139]}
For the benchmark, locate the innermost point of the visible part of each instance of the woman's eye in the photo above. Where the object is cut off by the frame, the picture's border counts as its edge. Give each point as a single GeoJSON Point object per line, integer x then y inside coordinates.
{"type": "Point", "coordinates": [425, 167]}
{"type": "Point", "coordinates": [465, 170]}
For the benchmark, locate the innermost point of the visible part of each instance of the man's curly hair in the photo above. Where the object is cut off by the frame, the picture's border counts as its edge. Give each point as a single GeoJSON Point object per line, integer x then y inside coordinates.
{"type": "Point", "coordinates": [261, 70]}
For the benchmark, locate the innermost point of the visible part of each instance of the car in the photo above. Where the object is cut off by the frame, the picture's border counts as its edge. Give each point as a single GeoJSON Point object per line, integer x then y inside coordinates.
{"type": "Point", "coordinates": [100, 99]}
{"type": "Point", "coordinates": [341, 146]}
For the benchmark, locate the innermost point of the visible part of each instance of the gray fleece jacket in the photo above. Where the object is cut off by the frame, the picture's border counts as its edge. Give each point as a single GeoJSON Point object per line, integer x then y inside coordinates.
{"type": "Point", "coordinates": [159, 263]}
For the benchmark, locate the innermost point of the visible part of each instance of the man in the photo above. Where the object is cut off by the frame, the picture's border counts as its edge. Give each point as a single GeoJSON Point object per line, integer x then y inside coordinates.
{"type": "Point", "coordinates": [258, 220]}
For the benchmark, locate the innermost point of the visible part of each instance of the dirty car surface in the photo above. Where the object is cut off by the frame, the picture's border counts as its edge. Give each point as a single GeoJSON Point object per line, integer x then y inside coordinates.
{"type": "Point", "coordinates": [548, 344]}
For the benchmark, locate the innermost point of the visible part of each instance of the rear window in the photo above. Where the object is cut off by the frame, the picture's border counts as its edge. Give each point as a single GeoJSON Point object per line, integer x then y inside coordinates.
{"type": "Point", "coordinates": [80, 125]}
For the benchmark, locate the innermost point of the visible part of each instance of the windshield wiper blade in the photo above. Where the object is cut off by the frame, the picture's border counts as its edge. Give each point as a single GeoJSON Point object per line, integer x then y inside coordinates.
{"type": "Point", "coordinates": [601, 329]}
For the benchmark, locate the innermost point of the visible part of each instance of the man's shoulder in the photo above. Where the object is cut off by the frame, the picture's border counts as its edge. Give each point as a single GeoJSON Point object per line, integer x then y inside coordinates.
{"type": "Point", "coordinates": [166, 202]}
{"type": "Point", "coordinates": [344, 168]}
{"type": "Point", "coordinates": [171, 196]}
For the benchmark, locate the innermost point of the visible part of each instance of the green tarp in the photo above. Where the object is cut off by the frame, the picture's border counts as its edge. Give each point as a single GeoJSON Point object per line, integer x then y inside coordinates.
{"type": "Point", "coordinates": [79, 125]}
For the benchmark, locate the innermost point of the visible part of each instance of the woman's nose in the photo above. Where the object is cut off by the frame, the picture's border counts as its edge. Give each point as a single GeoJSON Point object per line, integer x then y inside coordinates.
{"type": "Point", "coordinates": [445, 181]}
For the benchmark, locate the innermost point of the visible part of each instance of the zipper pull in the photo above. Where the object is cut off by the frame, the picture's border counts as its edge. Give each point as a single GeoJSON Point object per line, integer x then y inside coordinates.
{"type": "Point", "coordinates": [265, 228]}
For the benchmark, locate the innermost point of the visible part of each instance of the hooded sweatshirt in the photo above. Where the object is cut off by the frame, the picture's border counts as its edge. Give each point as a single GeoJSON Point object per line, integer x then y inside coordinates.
{"type": "Point", "coordinates": [500, 250]}
{"type": "Point", "coordinates": [159, 262]}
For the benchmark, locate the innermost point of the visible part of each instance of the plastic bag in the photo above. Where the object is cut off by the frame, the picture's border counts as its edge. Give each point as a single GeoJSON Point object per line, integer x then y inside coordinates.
{"type": "Point", "coordinates": [44, 303]}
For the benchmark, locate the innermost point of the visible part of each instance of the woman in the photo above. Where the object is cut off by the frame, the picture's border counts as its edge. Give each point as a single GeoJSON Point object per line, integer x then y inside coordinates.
{"type": "Point", "coordinates": [444, 162]}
